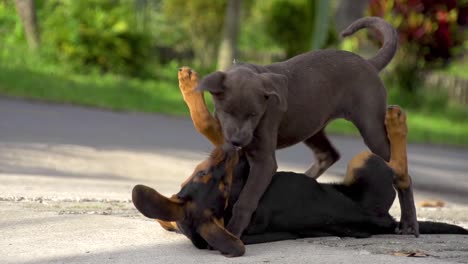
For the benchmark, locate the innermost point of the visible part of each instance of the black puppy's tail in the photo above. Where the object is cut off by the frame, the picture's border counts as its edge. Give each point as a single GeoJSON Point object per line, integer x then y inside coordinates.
{"type": "Point", "coordinates": [428, 227]}
{"type": "Point", "coordinates": [382, 226]}
{"type": "Point", "coordinates": [390, 36]}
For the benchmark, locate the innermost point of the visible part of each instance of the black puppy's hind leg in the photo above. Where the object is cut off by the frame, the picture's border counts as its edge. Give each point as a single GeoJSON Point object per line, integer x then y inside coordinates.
{"type": "Point", "coordinates": [325, 154]}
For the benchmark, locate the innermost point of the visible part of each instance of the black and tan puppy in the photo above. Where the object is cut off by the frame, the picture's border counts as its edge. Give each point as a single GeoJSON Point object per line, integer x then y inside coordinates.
{"type": "Point", "coordinates": [294, 205]}
{"type": "Point", "coordinates": [264, 108]}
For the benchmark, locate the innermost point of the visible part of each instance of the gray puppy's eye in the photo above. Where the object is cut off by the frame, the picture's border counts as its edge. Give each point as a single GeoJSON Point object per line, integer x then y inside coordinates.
{"type": "Point", "coordinates": [252, 114]}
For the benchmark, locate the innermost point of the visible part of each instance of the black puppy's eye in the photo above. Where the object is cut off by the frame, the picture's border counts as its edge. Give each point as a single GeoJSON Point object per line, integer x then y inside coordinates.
{"type": "Point", "coordinates": [200, 173]}
{"type": "Point", "coordinates": [252, 114]}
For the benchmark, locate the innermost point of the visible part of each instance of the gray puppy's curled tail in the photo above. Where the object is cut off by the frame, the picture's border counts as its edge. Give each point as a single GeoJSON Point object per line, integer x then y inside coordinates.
{"type": "Point", "coordinates": [390, 36]}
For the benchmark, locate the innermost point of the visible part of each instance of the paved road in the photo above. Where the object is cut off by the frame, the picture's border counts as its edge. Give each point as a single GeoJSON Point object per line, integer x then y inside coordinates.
{"type": "Point", "coordinates": [66, 173]}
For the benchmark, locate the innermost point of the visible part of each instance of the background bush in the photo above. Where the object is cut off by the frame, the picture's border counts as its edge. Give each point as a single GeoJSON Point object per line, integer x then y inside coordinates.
{"type": "Point", "coordinates": [83, 36]}
{"type": "Point", "coordinates": [431, 34]}
{"type": "Point", "coordinates": [94, 35]}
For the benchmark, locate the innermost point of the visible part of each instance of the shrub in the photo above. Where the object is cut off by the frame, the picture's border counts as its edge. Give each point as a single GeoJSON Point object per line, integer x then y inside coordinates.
{"type": "Point", "coordinates": [429, 29]}
{"type": "Point", "coordinates": [430, 35]}
{"type": "Point", "coordinates": [199, 24]}
{"type": "Point", "coordinates": [290, 23]}
{"type": "Point", "coordinates": [94, 34]}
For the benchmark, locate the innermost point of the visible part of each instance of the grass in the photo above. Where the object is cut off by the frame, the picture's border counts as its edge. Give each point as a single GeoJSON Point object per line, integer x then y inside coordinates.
{"type": "Point", "coordinates": [422, 128]}
{"type": "Point", "coordinates": [108, 91]}
{"type": "Point", "coordinates": [458, 68]}
{"type": "Point", "coordinates": [163, 96]}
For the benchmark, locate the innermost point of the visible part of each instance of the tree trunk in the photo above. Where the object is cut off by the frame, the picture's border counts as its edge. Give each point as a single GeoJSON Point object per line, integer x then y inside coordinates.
{"type": "Point", "coordinates": [141, 14]}
{"type": "Point", "coordinates": [27, 12]}
{"type": "Point", "coordinates": [228, 48]}
{"type": "Point", "coordinates": [321, 23]}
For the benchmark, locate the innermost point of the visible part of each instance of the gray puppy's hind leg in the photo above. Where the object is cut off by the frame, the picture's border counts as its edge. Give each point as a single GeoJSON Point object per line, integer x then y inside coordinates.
{"type": "Point", "coordinates": [325, 154]}
{"type": "Point", "coordinates": [371, 126]}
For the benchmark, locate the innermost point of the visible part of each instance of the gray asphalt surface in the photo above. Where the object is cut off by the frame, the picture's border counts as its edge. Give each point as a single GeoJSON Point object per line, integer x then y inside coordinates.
{"type": "Point", "coordinates": [66, 175]}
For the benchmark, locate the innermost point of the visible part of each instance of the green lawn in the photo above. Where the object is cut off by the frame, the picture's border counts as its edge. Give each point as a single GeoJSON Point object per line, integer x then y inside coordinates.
{"type": "Point", "coordinates": [108, 91]}
{"type": "Point", "coordinates": [422, 128]}
{"type": "Point", "coordinates": [458, 69]}
{"type": "Point", "coordinates": [163, 96]}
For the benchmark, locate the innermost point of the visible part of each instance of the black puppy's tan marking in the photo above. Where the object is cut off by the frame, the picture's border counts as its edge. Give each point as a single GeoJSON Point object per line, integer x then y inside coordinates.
{"type": "Point", "coordinates": [264, 108]}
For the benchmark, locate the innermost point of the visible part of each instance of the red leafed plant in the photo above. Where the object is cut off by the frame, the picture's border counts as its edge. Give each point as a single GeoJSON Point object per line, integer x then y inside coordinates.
{"type": "Point", "coordinates": [430, 29]}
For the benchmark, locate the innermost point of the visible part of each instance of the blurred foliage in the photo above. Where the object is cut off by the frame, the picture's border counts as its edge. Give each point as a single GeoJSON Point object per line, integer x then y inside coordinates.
{"type": "Point", "coordinates": [202, 21]}
{"type": "Point", "coordinates": [431, 34]}
{"type": "Point", "coordinates": [11, 29]}
{"type": "Point", "coordinates": [430, 28]}
{"type": "Point", "coordinates": [130, 36]}
{"type": "Point", "coordinates": [291, 24]}
{"type": "Point", "coordinates": [86, 36]}
{"type": "Point", "coordinates": [122, 36]}
{"type": "Point", "coordinates": [94, 34]}
{"type": "Point", "coordinates": [253, 36]}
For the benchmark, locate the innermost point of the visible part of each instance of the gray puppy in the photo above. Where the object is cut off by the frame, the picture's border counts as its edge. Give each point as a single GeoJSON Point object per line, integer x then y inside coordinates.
{"type": "Point", "coordinates": [264, 108]}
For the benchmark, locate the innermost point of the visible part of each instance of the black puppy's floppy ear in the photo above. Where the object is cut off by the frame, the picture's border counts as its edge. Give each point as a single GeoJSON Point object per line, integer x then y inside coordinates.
{"type": "Point", "coordinates": [276, 85]}
{"type": "Point", "coordinates": [156, 206]}
{"type": "Point", "coordinates": [212, 83]}
{"type": "Point", "coordinates": [219, 238]}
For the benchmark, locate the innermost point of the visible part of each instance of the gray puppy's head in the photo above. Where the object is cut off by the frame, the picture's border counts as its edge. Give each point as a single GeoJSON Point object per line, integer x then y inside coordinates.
{"type": "Point", "coordinates": [242, 97]}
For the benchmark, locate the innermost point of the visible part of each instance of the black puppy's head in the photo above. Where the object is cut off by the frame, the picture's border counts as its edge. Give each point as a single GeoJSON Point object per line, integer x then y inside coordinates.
{"type": "Point", "coordinates": [199, 206]}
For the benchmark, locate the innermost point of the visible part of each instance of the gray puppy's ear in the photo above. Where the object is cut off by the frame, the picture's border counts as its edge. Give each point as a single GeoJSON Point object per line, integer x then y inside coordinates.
{"type": "Point", "coordinates": [276, 85]}
{"type": "Point", "coordinates": [212, 83]}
